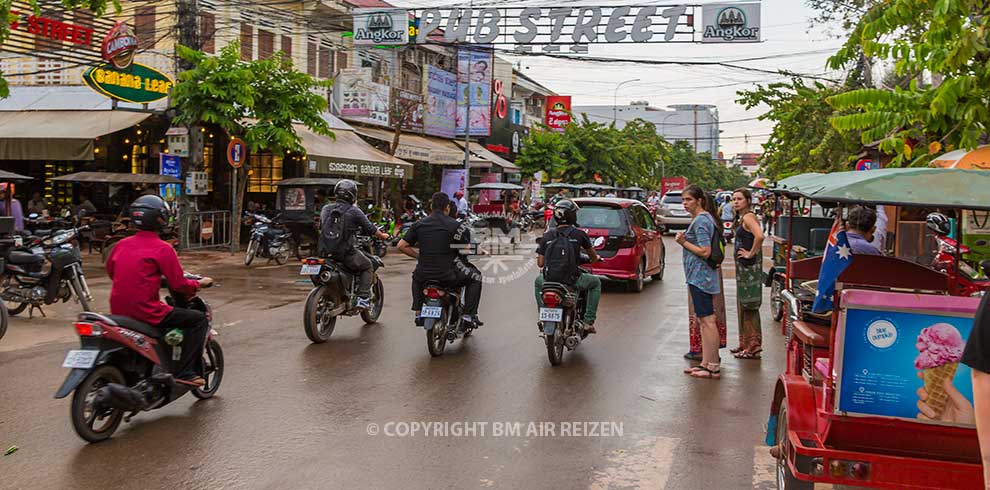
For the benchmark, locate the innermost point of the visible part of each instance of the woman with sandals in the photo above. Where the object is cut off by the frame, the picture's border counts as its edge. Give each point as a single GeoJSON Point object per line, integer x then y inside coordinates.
{"type": "Point", "coordinates": [749, 275]}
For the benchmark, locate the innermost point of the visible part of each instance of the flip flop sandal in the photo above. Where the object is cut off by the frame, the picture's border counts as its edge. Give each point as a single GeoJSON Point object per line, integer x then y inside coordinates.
{"type": "Point", "coordinates": [692, 356]}
{"type": "Point", "coordinates": [707, 373]}
{"type": "Point", "coordinates": [737, 350]}
{"type": "Point", "coordinates": [692, 369]}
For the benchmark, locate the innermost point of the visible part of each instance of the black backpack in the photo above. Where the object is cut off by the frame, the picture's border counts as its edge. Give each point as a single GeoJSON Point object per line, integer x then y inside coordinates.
{"type": "Point", "coordinates": [560, 260]}
{"type": "Point", "coordinates": [335, 238]}
{"type": "Point", "coordinates": [717, 245]}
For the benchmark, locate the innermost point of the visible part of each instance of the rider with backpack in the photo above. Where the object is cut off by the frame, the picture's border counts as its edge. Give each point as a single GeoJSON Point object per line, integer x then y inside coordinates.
{"type": "Point", "coordinates": [559, 256]}
{"type": "Point", "coordinates": [339, 223]}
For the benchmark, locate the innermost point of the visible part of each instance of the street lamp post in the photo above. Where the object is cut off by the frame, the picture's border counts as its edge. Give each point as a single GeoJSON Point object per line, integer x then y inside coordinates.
{"type": "Point", "coordinates": [615, 97]}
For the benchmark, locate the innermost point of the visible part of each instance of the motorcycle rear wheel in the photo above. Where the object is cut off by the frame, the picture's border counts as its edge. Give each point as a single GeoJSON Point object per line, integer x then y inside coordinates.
{"type": "Point", "coordinates": [4, 319]}
{"type": "Point", "coordinates": [318, 331]}
{"type": "Point", "coordinates": [436, 337]}
{"type": "Point", "coordinates": [213, 371]}
{"type": "Point", "coordinates": [555, 349]}
{"type": "Point", "coordinates": [82, 422]}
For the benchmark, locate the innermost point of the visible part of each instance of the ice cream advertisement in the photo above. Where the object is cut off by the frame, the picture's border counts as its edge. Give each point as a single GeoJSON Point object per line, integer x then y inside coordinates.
{"type": "Point", "coordinates": [906, 365]}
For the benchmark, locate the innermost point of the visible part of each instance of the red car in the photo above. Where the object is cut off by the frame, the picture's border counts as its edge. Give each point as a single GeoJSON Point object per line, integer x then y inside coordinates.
{"type": "Point", "coordinates": [625, 235]}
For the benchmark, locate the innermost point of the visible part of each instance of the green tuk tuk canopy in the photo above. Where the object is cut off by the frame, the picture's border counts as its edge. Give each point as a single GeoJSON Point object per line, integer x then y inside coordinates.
{"type": "Point", "coordinates": [916, 187]}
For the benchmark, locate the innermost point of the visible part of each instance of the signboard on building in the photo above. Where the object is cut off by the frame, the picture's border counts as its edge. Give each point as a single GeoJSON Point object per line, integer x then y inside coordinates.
{"type": "Point", "coordinates": [381, 27]}
{"type": "Point", "coordinates": [474, 91]}
{"type": "Point", "coordinates": [731, 23]}
{"type": "Point", "coordinates": [171, 166]}
{"type": "Point", "coordinates": [119, 46]}
{"type": "Point", "coordinates": [408, 106]}
{"type": "Point", "coordinates": [197, 184]}
{"type": "Point", "coordinates": [139, 84]}
{"type": "Point", "coordinates": [55, 33]}
{"type": "Point", "coordinates": [439, 113]}
{"type": "Point", "coordinates": [558, 112]}
{"type": "Point", "coordinates": [360, 99]}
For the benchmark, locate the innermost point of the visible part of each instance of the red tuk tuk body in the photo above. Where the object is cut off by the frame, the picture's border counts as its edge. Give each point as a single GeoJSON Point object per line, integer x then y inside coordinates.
{"type": "Point", "coordinates": [815, 441]}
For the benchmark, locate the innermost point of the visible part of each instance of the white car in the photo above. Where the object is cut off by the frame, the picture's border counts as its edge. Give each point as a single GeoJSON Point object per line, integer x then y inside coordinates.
{"type": "Point", "coordinates": [671, 214]}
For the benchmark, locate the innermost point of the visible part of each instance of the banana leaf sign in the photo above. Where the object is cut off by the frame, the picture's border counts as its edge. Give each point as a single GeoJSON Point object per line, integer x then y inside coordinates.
{"type": "Point", "coordinates": [137, 83]}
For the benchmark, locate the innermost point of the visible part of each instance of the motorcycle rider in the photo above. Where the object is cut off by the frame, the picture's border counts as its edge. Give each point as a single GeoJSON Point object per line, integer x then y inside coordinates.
{"type": "Point", "coordinates": [136, 266]}
{"type": "Point", "coordinates": [565, 213]}
{"type": "Point", "coordinates": [352, 220]}
{"type": "Point", "coordinates": [436, 235]}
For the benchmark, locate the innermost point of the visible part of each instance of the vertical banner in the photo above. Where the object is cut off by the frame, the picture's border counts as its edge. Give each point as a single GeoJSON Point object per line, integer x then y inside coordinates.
{"type": "Point", "coordinates": [439, 114]}
{"type": "Point", "coordinates": [474, 82]}
{"type": "Point", "coordinates": [537, 184]}
{"type": "Point", "coordinates": [409, 107]}
{"type": "Point", "coordinates": [486, 197]}
{"type": "Point", "coordinates": [558, 114]}
{"type": "Point", "coordinates": [170, 165]}
{"type": "Point", "coordinates": [454, 179]}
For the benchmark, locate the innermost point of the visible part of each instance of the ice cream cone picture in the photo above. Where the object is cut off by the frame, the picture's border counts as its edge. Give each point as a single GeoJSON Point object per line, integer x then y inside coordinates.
{"type": "Point", "coordinates": [940, 347]}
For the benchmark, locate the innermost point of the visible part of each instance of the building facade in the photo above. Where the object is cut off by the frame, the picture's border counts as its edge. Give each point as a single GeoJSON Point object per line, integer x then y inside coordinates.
{"type": "Point", "coordinates": [697, 124]}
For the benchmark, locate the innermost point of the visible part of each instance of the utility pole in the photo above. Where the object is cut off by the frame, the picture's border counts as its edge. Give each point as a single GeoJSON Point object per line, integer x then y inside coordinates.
{"type": "Point", "coordinates": [188, 22]}
{"type": "Point", "coordinates": [467, 119]}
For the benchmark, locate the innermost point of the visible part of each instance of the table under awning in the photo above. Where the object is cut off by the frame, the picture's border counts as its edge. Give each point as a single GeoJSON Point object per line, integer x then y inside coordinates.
{"type": "Point", "coordinates": [484, 154]}
{"type": "Point", "coordinates": [59, 135]}
{"type": "Point", "coordinates": [349, 155]}
{"type": "Point", "coordinates": [437, 151]}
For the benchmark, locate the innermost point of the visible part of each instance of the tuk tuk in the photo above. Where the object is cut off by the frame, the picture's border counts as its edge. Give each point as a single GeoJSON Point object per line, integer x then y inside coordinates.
{"type": "Point", "coordinates": [495, 215]}
{"type": "Point", "coordinates": [637, 193]}
{"type": "Point", "coordinates": [298, 205]}
{"type": "Point", "coordinates": [862, 400]}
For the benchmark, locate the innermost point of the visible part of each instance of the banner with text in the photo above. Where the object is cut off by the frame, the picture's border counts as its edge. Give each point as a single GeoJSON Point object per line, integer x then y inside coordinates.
{"type": "Point", "coordinates": [558, 112]}
{"type": "Point", "coordinates": [439, 115]}
{"type": "Point", "coordinates": [474, 90]}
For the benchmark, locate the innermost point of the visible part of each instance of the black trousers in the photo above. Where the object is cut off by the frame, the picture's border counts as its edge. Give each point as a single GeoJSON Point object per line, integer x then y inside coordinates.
{"type": "Point", "coordinates": [193, 325]}
{"type": "Point", "coordinates": [358, 262]}
{"type": "Point", "coordinates": [464, 274]}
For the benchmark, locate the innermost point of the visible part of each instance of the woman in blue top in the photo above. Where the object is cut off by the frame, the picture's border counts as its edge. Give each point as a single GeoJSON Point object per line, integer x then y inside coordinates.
{"type": "Point", "coordinates": [702, 279]}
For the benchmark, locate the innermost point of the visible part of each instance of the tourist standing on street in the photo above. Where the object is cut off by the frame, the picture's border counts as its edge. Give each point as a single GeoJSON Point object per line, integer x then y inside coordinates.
{"type": "Point", "coordinates": [702, 278]}
{"type": "Point", "coordinates": [749, 275]}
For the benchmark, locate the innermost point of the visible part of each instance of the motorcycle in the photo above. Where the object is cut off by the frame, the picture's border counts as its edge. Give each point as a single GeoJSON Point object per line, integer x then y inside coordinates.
{"type": "Point", "coordinates": [441, 316]}
{"type": "Point", "coordinates": [334, 287]}
{"type": "Point", "coordinates": [26, 283]}
{"type": "Point", "coordinates": [269, 239]}
{"type": "Point", "coordinates": [727, 232]}
{"type": "Point", "coordinates": [966, 277]}
{"type": "Point", "coordinates": [562, 306]}
{"type": "Point", "coordinates": [409, 217]}
{"type": "Point", "coordinates": [124, 365]}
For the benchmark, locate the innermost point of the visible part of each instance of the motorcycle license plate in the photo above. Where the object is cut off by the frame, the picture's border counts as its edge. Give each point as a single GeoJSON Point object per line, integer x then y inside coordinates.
{"type": "Point", "coordinates": [309, 270]}
{"type": "Point", "coordinates": [80, 359]}
{"type": "Point", "coordinates": [37, 250]}
{"type": "Point", "coordinates": [551, 314]}
{"type": "Point", "coordinates": [431, 312]}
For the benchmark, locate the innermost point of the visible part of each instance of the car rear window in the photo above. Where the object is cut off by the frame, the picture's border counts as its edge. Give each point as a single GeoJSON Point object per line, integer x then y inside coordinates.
{"type": "Point", "coordinates": [599, 217]}
{"type": "Point", "coordinates": [672, 199]}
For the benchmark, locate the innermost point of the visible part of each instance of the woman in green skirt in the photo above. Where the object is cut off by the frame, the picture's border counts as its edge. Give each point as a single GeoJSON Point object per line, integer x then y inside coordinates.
{"type": "Point", "coordinates": [749, 275]}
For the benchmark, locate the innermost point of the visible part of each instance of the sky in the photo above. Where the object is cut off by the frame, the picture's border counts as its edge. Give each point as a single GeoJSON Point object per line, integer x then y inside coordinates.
{"type": "Point", "coordinates": [785, 31]}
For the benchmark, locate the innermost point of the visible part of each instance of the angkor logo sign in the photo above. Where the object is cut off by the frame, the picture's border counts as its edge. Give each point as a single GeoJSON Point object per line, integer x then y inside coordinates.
{"type": "Point", "coordinates": [119, 46]}
{"type": "Point", "coordinates": [381, 28]}
{"type": "Point", "coordinates": [730, 25]}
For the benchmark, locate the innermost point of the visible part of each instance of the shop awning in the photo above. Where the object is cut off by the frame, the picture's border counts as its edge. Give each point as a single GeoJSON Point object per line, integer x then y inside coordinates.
{"type": "Point", "coordinates": [349, 155]}
{"type": "Point", "coordinates": [6, 176]}
{"type": "Point", "coordinates": [482, 153]}
{"type": "Point", "coordinates": [437, 151]}
{"type": "Point", "coordinates": [117, 178]}
{"type": "Point", "coordinates": [58, 135]}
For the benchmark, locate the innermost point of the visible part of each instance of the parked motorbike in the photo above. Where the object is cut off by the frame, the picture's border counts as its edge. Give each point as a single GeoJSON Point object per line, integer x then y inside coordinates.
{"type": "Point", "coordinates": [727, 232]}
{"type": "Point", "coordinates": [965, 276]}
{"type": "Point", "coordinates": [413, 213]}
{"type": "Point", "coordinates": [269, 239]}
{"type": "Point", "coordinates": [334, 287]}
{"type": "Point", "coordinates": [562, 306]}
{"type": "Point", "coordinates": [124, 365]}
{"type": "Point", "coordinates": [27, 282]}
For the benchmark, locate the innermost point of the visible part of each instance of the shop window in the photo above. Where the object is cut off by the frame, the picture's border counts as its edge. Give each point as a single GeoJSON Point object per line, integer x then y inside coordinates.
{"type": "Point", "coordinates": [207, 32]}
{"type": "Point", "coordinates": [58, 194]}
{"type": "Point", "coordinates": [144, 27]}
{"type": "Point", "coordinates": [266, 170]}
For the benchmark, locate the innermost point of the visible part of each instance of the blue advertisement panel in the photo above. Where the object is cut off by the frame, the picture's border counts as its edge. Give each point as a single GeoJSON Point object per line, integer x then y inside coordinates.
{"type": "Point", "coordinates": [474, 83]}
{"type": "Point", "coordinates": [171, 166]}
{"type": "Point", "coordinates": [906, 365]}
{"type": "Point", "coordinates": [440, 87]}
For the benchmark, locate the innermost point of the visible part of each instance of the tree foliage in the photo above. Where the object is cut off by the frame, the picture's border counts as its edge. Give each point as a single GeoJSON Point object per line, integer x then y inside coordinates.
{"type": "Point", "coordinates": [258, 100]}
{"type": "Point", "coordinates": [98, 7]}
{"type": "Point", "coordinates": [635, 155]}
{"type": "Point", "coordinates": [802, 139]}
{"type": "Point", "coordinates": [948, 38]}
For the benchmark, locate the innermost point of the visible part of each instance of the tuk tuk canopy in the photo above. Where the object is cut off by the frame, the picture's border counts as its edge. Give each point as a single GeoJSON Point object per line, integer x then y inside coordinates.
{"type": "Point", "coordinates": [912, 187]}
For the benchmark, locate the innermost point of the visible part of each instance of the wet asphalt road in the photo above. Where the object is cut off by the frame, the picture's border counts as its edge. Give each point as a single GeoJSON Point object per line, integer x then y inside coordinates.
{"type": "Point", "coordinates": [291, 415]}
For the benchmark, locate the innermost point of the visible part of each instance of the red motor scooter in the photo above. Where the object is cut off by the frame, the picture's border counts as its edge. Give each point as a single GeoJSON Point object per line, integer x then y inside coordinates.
{"type": "Point", "coordinates": [964, 279]}
{"type": "Point", "coordinates": [124, 365]}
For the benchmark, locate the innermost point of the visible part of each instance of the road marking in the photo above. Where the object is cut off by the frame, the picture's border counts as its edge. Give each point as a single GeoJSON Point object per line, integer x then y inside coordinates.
{"type": "Point", "coordinates": [646, 465]}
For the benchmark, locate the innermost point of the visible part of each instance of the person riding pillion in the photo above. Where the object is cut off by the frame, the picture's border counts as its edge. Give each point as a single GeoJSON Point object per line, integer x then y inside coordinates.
{"type": "Point", "coordinates": [340, 222]}
{"type": "Point", "coordinates": [136, 267]}
{"type": "Point", "coordinates": [440, 239]}
{"type": "Point", "coordinates": [559, 256]}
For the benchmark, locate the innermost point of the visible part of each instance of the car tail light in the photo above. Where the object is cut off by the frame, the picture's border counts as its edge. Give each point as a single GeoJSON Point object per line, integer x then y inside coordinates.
{"type": "Point", "coordinates": [856, 470]}
{"type": "Point", "coordinates": [551, 299]}
{"type": "Point", "coordinates": [86, 329]}
{"type": "Point", "coordinates": [433, 293]}
{"type": "Point", "coordinates": [627, 241]}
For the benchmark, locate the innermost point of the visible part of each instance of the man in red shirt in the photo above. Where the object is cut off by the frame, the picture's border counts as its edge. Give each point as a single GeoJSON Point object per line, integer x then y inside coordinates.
{"type": "Point", "coordinates": [136, 266]}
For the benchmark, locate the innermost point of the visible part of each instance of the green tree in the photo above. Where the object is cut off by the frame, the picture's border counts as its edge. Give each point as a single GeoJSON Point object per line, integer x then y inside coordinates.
{"type": "Point", "coordinates": [937, 38]}
{"type": "Point", "coordinates": [98, 7]}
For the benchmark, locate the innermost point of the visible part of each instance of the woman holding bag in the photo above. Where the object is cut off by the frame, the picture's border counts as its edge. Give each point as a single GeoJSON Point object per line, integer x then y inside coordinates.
{"type": "Point", "coordinates": [749, 275]}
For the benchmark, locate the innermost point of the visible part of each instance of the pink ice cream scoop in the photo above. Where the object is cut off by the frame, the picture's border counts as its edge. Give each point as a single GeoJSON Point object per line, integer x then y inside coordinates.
{"type": "Point", "coordinates": [938, 345]}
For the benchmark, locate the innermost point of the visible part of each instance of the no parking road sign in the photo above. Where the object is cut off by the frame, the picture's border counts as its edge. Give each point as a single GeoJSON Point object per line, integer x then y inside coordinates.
{"type": "Point", "coordinates": [236, 152]}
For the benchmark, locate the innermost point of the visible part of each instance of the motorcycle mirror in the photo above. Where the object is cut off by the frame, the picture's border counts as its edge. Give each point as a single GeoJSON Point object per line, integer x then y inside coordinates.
{"type": "Point", "coordinates": [33, 216]}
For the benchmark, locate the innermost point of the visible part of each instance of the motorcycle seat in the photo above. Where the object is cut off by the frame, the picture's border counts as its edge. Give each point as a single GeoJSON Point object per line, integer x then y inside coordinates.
{"type": "Point", "coordinates": [437, 284]}
{"type": "Point", "coordinates": [559, 286]}
{"type": "Point", "coordinates": [140, 327]}
{"type": "Point", "coordinates": [24, 258]}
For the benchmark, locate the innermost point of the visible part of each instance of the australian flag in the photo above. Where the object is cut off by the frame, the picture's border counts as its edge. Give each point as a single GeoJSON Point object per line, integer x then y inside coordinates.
{"type": "Point", "coordinates": [838, 256]}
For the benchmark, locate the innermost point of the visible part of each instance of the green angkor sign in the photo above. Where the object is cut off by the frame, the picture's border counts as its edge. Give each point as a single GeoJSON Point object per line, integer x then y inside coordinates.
{"type": "Point", "coordinates": [139, 84]}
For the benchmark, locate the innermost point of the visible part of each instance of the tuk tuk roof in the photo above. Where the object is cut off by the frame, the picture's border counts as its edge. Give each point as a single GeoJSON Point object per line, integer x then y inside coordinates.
{"type": "Point", "coordinates": [496, 186]}
{"type": "Point", "coordinates": [596, 187]}
{"type": "Point", "coordinates": [913, 187]}
{"type": "Point", "coordinates": [6, 176]}
{"type": "Point", "coordinates": [117, 178]}
{"type": "Point", "coordinates": [310, 182]}
{"type": "Point", "coordinates": [560, 185]}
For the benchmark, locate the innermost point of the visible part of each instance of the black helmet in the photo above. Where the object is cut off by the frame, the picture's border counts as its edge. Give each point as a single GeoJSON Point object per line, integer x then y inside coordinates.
{"type": "Point", "coordinates": [150, 213]}
{"type": "Point", "coordinates": [939, 223]}
{"type": "Point", "coordinates": [346, 190]}
{"type": "Point", "coordinates": [565, 212]}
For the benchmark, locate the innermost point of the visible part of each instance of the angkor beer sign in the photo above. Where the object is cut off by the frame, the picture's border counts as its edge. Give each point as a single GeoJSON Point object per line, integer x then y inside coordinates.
{"type": "Point", "coordinates": [524, 27]}
{"type": "Point", "coordinates": [382, 27]}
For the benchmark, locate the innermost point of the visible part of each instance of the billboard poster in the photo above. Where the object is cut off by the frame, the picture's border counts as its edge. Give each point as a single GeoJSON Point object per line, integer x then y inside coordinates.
{"type": "Point", "coordinates": [889, 358]}
{"type": "Point", "coordinates": [439, 114]}
{"type": "Point", "coordinates": [558, 114]}
{"type": "Point", "coordinates": [171, 166]}
{"type": "Point", "coordinates": [454, 179]}
{"type": "Point", "coordinates": [408, 106]}
{"type": "Point", "coordinates": [360, 99]}
{"type": "Point", "coordinates": [474, 89]}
